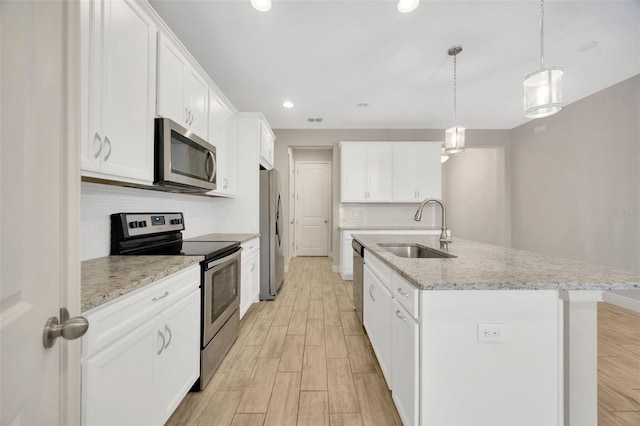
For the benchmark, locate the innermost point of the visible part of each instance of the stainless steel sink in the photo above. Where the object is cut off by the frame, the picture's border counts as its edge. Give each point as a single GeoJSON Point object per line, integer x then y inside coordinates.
{"type": "Point", "coordinates": [415, 251]}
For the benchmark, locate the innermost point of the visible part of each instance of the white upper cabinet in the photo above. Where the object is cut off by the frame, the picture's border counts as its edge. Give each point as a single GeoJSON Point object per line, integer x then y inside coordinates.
{"type": "Point", "coordinates": [416, 171]}
{"type": "Point", "coordinates": [222, 135]}
{"type": "Point", "coordinates": [267, 140]}
{"type": "Point", "coordinates": [119, 71]}
{"type": "Point", "coordinates": [365, 172]}
{"type": "Point", "coordinates": [182, 91]}
{"type": "Point", "coordinates": [389, 171]}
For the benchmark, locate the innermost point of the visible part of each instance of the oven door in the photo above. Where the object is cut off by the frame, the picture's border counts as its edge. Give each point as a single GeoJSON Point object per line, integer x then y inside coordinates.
{"type": "Point", "coordinates": [221, 295]}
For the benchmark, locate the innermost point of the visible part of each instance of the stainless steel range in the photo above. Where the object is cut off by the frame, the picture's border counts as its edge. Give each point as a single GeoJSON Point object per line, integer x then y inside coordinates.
{"type": "Point", "coordinates": [144, 234]}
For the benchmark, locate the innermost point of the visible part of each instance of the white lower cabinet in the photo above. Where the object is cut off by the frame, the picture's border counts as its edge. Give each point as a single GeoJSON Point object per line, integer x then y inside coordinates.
{"type": "Point", "coordinates": [249, 275]}
{"type": "Point", "coordinates": [378, 303]}
{"type": "Point", "coordinates": [141, 354]}
{"type": "Point", "coordinates": [405, 360]}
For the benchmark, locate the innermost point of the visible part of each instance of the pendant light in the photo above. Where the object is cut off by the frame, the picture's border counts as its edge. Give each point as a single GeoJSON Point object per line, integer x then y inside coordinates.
{"type": "Point", "coordinates": [543, 88]}
{"type": "Point", "coordinates": [454, 136]}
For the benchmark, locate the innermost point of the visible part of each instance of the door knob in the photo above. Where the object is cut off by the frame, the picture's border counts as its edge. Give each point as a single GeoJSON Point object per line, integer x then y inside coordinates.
{"type": "Point", "coordinates": [68, 328]}
{"type": "Point", "coordinates": [325, 221]}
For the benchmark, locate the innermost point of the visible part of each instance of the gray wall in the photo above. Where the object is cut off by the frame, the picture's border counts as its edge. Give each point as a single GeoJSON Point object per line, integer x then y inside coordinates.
{"type": "Point", "coordinates": [576, 180]}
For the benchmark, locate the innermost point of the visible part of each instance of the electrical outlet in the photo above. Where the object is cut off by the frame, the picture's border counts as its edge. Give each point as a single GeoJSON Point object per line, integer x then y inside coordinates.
{"type": "Point", "coordinates": [355, 213]}
{"type": "Point", "coordinates": [488, 332]}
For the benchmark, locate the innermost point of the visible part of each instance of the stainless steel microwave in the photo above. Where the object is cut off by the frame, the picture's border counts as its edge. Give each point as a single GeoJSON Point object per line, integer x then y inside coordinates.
{"type": "Point", "coordinates": [184, 162]}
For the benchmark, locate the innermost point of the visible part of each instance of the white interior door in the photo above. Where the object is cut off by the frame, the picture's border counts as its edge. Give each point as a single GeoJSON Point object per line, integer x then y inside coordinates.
{"type": "Point", "coordinates": [313, 186]}
{"type": "Point", "coordinates": [39, 192]}
{"type": "Point", "coordinates": [292, 207]}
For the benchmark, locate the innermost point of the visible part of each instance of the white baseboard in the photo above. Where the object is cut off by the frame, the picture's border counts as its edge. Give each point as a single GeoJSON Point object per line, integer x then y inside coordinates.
{"type": "Point", "coordinates": [627, 299]}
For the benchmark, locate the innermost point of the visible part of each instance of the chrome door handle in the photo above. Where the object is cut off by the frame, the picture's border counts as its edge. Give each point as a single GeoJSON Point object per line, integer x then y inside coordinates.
{"type": "Point", "coordinates": [402, 293]}
{"type": "Point", "coordinates": [371, 293]}
{"type": "Point", "coordinates": [156, 298]}
{"type": "Point", "coordinates": [163, 342]}
{"type": "Point", "coordinates": [97, 136]}
{"type": "Point", "coordinates": [168, 330]}
{"type": "Point", "coordinates": [186, 115]}
{"type": "Point", "coordinates": [107, 141]}
{"type": "Point", "coordinates": [400, 316]}
{"type": "Point", "coordinates": [191, 119]}
{"type": "Point", "coordinates": [67, 328]}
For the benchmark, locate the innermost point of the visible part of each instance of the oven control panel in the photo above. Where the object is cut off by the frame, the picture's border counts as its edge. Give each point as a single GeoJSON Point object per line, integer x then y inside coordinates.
{"type": "Point", "coordinates": [139, 224]}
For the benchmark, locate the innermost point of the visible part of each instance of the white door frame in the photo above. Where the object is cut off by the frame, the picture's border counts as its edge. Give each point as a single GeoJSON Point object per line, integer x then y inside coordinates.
{"type": "Point", "coordinates": [291, 241]}
{"type": "Point", "coordinates": [330, 206]}
{"type": "Point", "coordinates": [70, 368]}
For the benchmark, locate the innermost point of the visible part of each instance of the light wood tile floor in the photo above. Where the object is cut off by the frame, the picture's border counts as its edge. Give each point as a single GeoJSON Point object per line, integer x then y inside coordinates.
{"type": "Point", "coordinates": [303, 359]}
{"type": "Point", "coordinates": [618, 366]}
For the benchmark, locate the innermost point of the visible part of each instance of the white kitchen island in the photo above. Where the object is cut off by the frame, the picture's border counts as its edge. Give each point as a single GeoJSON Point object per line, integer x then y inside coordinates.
{"type": "Point", "coordinates": [493, 336]}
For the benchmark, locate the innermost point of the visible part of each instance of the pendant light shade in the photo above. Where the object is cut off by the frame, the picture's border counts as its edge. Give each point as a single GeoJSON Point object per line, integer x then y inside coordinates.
{"type": "Point", "coordinates": [543, 88]}
{"type": "Point", "coordinates": [406, 6]}
{"type": "Point", "coordinates": [454, 136]}
{"type": "Point", "coordinates": [454, 140]}
{"type": "Point", "coordinates": [543, 93]}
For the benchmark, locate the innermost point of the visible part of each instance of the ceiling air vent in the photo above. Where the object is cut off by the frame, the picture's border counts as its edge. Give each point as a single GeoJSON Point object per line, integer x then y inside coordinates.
{"type": "Point", "coordinates": [314, 120]}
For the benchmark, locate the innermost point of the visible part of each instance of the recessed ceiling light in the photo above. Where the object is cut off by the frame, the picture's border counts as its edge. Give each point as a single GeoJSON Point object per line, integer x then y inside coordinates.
{"type": "Point", "coordinates": [588, 46]}
{"type": "Point", "coordinates": [406, 6]}
{"type": "Point", "coordinates": [362, 105]}
{"type": "Point", "coordinates": [287, 104]}
{"type": "Point", "coordinates": [261, 5]}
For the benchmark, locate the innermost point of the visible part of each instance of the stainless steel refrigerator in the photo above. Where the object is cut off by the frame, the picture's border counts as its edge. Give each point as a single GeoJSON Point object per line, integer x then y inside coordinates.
{"type": "Point", "coordinates": [271, 228]}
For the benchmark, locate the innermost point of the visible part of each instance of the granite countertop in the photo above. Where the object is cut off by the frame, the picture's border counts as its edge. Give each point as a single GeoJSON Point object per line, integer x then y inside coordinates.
{"type": "Point", "coordinates": [106, 278]}
{"type": "Point", "coordinates": [390, 228]}
{"type": "Point", "coordinates": [225, 237]}
{"type": "Point", "coordinates": [481, 266]}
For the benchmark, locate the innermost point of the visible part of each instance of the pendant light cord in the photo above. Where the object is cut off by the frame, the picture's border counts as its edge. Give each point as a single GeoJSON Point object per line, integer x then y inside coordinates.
{"type": "Point", "coordinates": [455, 103]}
{"type": "Point", "coordinates": [541, 34]}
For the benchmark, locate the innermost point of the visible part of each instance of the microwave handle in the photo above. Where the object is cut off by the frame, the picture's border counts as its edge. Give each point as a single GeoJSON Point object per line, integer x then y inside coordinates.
{"type": "Point", "coordinates": [211, 176]}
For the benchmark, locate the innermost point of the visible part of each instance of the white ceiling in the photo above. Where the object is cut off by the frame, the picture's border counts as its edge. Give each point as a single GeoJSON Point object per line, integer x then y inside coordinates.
{"type": "Point", "coordinates": [328, 56]}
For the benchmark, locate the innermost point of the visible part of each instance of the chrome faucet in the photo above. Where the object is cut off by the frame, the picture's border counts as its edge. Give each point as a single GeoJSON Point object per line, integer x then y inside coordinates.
{"type": "Point", "coordinates": [445, 238]}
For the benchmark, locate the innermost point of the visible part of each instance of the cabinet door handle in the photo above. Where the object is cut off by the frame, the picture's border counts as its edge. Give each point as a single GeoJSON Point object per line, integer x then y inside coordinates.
{"type": "Point", "coordinates": [168, 330]}
{"type": "Point", "coordinates": [400, 316]}
{"type": "Point", "coordinates": [253, 266]}
{"type": "Point", "coordinates": [226, 183]}
{"type": "Point", "coordinates": [371, 293]}
{"type": "Point", "coordinates": [418, 192]}
{"type": "Point", "coordinates": [163, 342]}
{"type": "Point", "coordinates": [191, 120]}
{"type": "Point", "coordinates": [108, 154]}
{"type": "Point", "coordinates": [402, 293]}
{"type": "Point", "coordinates": [186, 115]}
{"type": "Point", "coordinates": [97, 136]}
{"type": "Point", "coordinates": [156, 298]}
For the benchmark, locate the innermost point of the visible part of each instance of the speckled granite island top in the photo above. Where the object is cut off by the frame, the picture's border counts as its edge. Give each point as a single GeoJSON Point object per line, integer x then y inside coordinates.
{"type": "Point", "coordinates": [106, 278]}
{"type": "Point", "coordinates": [242, 238]}
{"type": "Point", "coordinates": [481, 266]}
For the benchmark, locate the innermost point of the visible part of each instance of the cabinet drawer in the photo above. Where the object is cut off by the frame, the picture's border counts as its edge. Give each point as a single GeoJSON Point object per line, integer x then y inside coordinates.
{"type": "Point", "coordinates": [113, 320]}
{"type": "Point", "coordinates": [406, 294]}
{"type": "Point", "coordinates": [379, 268]}
{"type": "Point", "coordinates": [250, 246]}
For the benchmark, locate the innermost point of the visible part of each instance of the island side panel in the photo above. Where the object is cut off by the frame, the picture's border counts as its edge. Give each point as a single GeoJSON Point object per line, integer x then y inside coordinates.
{"type": "Point", "coordinates": [513, 378]}
{"type": "Point", "coordinates": [581, 357]}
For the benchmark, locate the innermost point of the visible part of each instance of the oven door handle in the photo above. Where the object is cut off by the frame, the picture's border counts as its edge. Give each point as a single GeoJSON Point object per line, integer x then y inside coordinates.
{"type": "Point", "coordinates": [225, 259]}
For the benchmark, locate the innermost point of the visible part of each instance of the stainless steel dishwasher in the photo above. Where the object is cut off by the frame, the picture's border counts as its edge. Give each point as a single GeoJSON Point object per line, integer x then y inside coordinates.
{"type": "Point", "coordinates": [358, 265]}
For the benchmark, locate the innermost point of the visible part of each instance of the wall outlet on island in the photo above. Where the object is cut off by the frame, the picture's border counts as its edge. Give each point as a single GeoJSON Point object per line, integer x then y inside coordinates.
{"type": "Point", "coordinates": [492, 332]}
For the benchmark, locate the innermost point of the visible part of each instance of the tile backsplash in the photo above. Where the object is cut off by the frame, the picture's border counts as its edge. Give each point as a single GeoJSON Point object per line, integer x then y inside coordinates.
{"type": "Point", "coordinates": [100, 201]}
{"type": "Point", "coordinates": [385, 214]}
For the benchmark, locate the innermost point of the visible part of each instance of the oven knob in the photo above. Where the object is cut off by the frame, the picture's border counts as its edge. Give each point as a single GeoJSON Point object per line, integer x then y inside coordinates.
{"type": "Point", "coordinates": [133, 224]}
{"type": "Point", "coordinates": [174, 221]}
{"type": "Point", "coordinates": [144, 223]}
